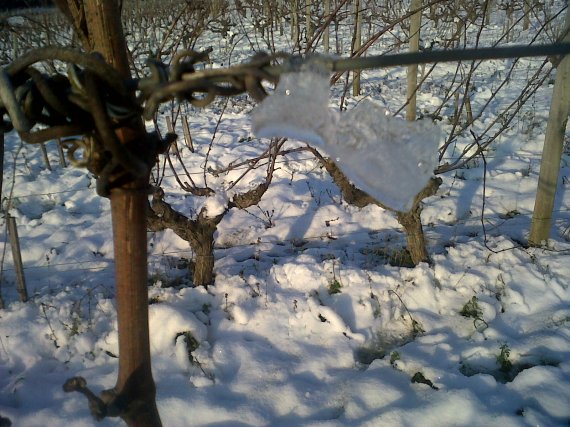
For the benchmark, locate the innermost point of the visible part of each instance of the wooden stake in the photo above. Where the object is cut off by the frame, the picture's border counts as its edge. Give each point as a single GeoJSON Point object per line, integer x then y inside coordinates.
{"type": "Point", "coordinates": [62, 161]}
{"type": "Point", "coordinates": [45, 156]}
{"type": "Point", "coordinates": [295, 30]}
{"type": "Point", "coordinates": [187, 134]}
{"type": "Point", "coordinates": [1, 160]}
{"type": "Point", "coordinates": [490, 8]}
{"type": "Point", "coordinates": [526, 20]}
{"type": "Point", "coordinates": [170, 127]}
{"type": "Point", "coordinates": [356, 46]}
{"type": "Point", "coordinates": [17, 257]}
{"type": "Point", "coordinates": [415, 24]}
{"type": "Point", "coordinates": [326, 33]}
{"type": "Point", "coordinates": [1, 183]}
{"type": "Point", "coordinates": [552, 150]}
{"type": "Point", "coordinates": [308, 23]}
{"type": "Point", "coordinates": [468, 109]}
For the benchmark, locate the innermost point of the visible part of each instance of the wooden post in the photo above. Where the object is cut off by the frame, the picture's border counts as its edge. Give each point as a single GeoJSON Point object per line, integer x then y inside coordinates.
{"type": "Point", "coordinates": [468, 109]}
{"type": "Point", "coordinates": [295, 23]}
{"type": "Point", "coordinates": [308, 24]}
{"type": "Point", "coordinates": [326, 34]}
{"type": "Point", "coordinates": [17, 257]}
{"type": "Point", "coordinates": [415, 23]}
{"type": "Point", "coordinates": [170, 127]}
{"type": "Point", "coordinates": [45, 156]}
{"type": "Point", "coordinates": [133, 397]}
{"type": "Point", "coordinates": [552, 150]}
{"type": "Point", "coordinates": [187, 134]}
{"type": "Point", "coordinates": [526, 11]}
{"type": "Point", "coordinates": [356, 46]}
{"type": "Point", "coordinates": [62, 161]}
{"type": "Point", "coordinates": [490, 8]}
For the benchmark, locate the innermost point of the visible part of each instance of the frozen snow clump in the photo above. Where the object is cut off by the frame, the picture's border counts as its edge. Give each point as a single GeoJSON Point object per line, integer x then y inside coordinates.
{"type": "Point", "coordinates": [388, 157]}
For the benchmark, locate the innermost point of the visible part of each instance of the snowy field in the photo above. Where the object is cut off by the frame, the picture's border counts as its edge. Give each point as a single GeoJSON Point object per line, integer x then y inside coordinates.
{"type": "Point", "coordinates": [313, 319]}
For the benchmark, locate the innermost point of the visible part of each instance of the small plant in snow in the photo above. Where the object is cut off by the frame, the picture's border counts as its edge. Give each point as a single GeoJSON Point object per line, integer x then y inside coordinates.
{"type": "Point", "coordinates": [206, 308]}
{"type": "Point", "coordinates": [192, 344]}
{"type": "Point", "coordinates": [503, 359]}
{"type": "Point", "coordinates": [417, 328]}
{"type": "Point", "coordinates": [394, 357]}
{"type": "Point", "coordinates": [334, 284]}
{"type": "Point", "coordinates": [472, 309]}
{"type": "Point", "coordinates": [419, 378]}
{"type": "Point", "coordinates": [154, 300]}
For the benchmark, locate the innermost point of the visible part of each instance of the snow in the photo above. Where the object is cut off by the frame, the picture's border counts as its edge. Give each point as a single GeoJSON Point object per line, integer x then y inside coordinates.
{"type": "Point", "coordinates": [271, 343]}
{"type": "Point", "coordinates": [216, 204]}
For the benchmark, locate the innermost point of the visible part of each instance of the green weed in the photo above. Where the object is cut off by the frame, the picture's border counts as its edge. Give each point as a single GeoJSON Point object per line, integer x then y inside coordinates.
{"type": "Point", "coordinates": [472, 309]}
{"type": "Point", "coordinates": [503, 359]}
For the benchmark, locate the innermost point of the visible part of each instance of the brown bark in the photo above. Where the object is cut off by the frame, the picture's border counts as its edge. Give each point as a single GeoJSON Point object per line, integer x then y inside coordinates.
{"type": "Point", "coordinates": [135, 389]}
{"type": "Point", "coordinates": [203, 274]}
{"type": "Point", "coordinates": [199, 233]}
{"type": "Point", "coordinates": [98, 24]}
{"type": "Point", "coordinates": [411, 221]}
{"type": "Point", "coordinates": [351, 194]}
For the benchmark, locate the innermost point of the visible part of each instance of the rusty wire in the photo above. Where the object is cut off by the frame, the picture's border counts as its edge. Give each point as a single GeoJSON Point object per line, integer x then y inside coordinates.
{"type": "Point", "coordinates": [93, 100]}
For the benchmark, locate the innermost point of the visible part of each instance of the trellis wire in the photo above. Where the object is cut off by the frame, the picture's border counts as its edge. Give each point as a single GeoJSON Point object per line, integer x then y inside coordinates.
{"type": "Point", "coordinates": [285, 161]}
{"type": "Point", "coordinates": [431, 234]}
{"type": "Point", "coordinates": [183, 81]}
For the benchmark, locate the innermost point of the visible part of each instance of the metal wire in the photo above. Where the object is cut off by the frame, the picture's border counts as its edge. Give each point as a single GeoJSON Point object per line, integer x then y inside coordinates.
{"type": "Point", "coordinates": [434, 56]}
{"type": "Point", "coordinates": [93, 99]}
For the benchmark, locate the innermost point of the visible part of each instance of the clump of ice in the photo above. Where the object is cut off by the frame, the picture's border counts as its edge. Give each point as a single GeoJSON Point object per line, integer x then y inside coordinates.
{"type": "Point", "coordinates": [298, 109]}
{"type": "Point", "coordinates": [389, 158]}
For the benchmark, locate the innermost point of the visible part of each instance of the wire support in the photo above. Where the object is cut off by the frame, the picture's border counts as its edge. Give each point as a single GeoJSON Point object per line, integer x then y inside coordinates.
{"type": "Point", "coordinates": [92, 101]}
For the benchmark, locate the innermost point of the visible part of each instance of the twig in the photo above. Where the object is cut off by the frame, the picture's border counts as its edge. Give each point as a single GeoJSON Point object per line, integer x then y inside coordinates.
{"type": "Point", "coordinates": [416, 327]}
{"type": "Point", "coordinates": [485, 241]}
{"type": "Point", "coordinates": [205, 169]}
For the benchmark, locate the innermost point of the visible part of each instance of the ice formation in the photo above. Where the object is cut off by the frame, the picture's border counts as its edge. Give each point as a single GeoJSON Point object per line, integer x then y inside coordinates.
{"type": "Point", "coordinates": [388, 157]}
{"type": "Point", "coordinates": [298, 109]}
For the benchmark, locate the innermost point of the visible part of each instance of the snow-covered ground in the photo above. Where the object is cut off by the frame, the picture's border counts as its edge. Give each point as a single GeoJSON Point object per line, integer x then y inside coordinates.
{"type": "Point", "coordinates": [313, 320]}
